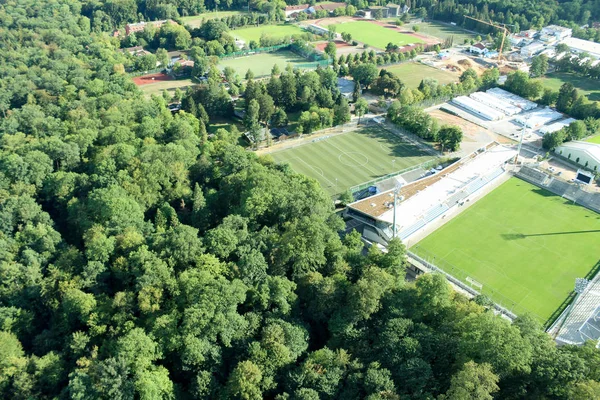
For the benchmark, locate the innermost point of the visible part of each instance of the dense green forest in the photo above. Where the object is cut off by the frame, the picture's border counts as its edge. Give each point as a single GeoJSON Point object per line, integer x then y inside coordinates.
{"type": "Point", "coordinates": [140, 259]}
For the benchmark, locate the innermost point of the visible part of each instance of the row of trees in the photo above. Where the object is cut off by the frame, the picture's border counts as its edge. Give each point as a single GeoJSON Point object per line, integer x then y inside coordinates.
{"type": "Point", "coordinates": [417, 121]}
{"type": "Point", "coordinates": [567, 100]}
{"type": "Point", "coordinates": [140, 259]}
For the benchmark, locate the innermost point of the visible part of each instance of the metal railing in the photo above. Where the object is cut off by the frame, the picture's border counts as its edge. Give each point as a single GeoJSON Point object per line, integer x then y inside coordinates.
{"type": "Point", "coordinates": [459, 277]}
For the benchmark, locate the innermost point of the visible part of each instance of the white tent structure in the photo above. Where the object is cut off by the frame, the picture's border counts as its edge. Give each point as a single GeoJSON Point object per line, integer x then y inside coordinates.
{"type": "Point", "coordinates": [481, 110]}
{"type": "Point", "coordinates": [494, 102]}
{"type": "Point", "coordinates": [513, 99]}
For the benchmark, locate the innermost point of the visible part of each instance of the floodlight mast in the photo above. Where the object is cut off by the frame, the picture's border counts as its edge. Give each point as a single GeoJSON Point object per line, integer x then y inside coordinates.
{"type": "Point", "coordinates": [396, 193]}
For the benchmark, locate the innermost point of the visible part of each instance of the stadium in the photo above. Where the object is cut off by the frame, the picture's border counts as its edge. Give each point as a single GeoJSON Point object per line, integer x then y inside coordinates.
{"type": "Point", "coordinates": [515, 234]}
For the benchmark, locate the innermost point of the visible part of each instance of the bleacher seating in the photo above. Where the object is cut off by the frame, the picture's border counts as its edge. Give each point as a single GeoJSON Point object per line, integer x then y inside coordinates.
{"type": "Point", "coordinates": [429, 216]}
{"type": "Point", "coordinates": [471, 187]}
{"type": "Point", "coordinates": [533, 175]}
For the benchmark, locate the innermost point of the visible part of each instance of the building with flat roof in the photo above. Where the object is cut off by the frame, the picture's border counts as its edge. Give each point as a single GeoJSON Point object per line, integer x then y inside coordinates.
{"type": "Point", "coordinates": [558, 32]}
{"type": "Point", "coordinates": [140, 26]}
{"type": "Point", "coordinates": [538, 118]}
{"type": "Point", "coordinates": [557, 126]}
{"type": "Point", "coordinates": [582, 153]}
{"type": "Point", "coordinates": [511, 98]}
{"type": "Point", "coordinates": [475, 107]}
{"type": "Point", "coordinates": [583, 46]}
{"type": "Point", "coordinates": [532, 49]}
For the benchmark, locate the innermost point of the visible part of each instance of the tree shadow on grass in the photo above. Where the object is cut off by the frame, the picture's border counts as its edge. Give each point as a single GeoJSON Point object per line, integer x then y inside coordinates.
{"type": "Point", "coordinates": [595, 96]}
{"type": "Point", "coordinates": [516, 236]}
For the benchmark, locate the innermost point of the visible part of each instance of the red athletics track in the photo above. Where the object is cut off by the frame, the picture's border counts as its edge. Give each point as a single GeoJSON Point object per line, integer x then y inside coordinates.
{"type": "Point", "coordinates": [152, 78]}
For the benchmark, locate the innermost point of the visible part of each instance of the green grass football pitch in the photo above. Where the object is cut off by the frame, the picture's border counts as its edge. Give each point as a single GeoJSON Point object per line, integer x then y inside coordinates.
{"type": "Point", "coordinates": [375, 35]}
{"type": "Point", "coordinates": [587, 86]}
{"type": "Point", "coordinates": [262, 64]}
{"type": "Point", "coordinates": [524, 244]}
{"type": "Point", "coordinates": [272, 31]}
{"type": "Point", "coordinates": [349, 159]}
{"type": "Point", "coordinates": [593, 139]}
{"type": "Point", "coordinates": [412, 73]}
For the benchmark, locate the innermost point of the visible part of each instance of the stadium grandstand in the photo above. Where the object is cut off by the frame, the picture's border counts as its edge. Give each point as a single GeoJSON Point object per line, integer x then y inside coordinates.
{"type": "Point", "coordinates": [580, 322]}
{"type": "Point", "coordinates": [430, 198]}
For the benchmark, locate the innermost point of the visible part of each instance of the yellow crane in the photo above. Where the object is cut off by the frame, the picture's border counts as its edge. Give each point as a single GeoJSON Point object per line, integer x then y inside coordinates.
{"type": "Point", "coordinates": [504, 32]}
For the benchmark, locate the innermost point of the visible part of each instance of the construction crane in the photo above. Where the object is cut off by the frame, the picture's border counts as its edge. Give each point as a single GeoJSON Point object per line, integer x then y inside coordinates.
{"type": "Point", "coordinates": [504, 32]}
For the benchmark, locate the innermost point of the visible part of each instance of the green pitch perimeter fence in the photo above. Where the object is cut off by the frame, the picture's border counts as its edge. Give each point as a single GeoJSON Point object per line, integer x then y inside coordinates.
{"type": "Point", "coordinates": [242, 53]}
{"type": "Point", "coordinates": [425, 165]}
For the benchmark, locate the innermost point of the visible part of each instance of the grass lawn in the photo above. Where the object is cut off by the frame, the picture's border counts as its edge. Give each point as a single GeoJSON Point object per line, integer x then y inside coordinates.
{"type": "Point", "coordinates": [169, 86]}
{"type": "Point", "coordinates": [587, 86]}
{"type": "Point", "coordinates": [217, 123]}
{"type": "Point", "coordinates": [413, 73]}
{"type": "Point", "coordinates": [195, 20]}
{"type": "Point", "coordinates": [261, 64]}
{"type": "Point", "coordinates": [375, 35]}
{"type": "Point", "coordinates": [594, 139]}
{"type": "Point", "coordinates": [524, 244]}
{"type": "Point", "coordinates": [274, 31]}
{"type": "Point", "coordinates": [443, 31]}
{"type": "Point", "coordinates": [352, 158]}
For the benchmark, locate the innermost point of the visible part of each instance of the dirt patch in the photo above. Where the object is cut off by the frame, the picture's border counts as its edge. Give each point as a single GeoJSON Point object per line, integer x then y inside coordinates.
{"type": "Point", "coordinates": [151, 78]}
{"type": "Point", "coordinates": [472, 133]}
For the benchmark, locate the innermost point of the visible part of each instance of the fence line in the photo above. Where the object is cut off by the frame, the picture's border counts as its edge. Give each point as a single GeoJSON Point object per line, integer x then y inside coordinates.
{"type": "Point", "coordinates": [362, 186]}
{"type": "Point", "coordinates": [458, 276]}
{"type": "Point", "coordinates": [268, 49]}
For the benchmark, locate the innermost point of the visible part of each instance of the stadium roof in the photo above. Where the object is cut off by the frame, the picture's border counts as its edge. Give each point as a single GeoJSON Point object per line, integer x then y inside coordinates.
{"type": "Point", "coordinates": [421, 196]}
{"type": "Point", "coordinates": [581, 322]}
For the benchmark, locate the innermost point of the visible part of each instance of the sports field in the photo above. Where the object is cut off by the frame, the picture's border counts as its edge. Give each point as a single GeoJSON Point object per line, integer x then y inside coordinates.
{"type": "Point", "coordinates": [593, 139]}
{"type": "Point", "coordinates": [413, 73]}
{"type": "Point", "coordinates": [525, 245]}
{"type": "Point", "coordinates": [261, 64]}
{"type": "Point", "coordinates": [195, 20]}
{"type": "Point", "coordinates": [587, 86]}
{"type": "Point", "coordinates": [375, 35]}
{"type": "Point", "coordinates": [168, 85]}
{"type": "Point", "coordinates": [273, 31]}
{"type": "Point", "coordinates": [443, 31]}
{"type": "Point", "coordinates": [349, 159]}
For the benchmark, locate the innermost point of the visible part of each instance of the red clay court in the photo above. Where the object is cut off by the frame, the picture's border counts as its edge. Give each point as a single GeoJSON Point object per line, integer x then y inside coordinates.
{"type": "Point", "coordinates": [338, 44]}
{"type": "Point", "coordinates": [151, 78]}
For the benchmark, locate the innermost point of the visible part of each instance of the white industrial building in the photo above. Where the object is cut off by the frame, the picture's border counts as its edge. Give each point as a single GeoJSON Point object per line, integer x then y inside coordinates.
{"type": "Point", "coordinates": [583, 46]}
{"type": "Point", "coordinates": [557, 126]}
{"type": "Point", "coordinates": [532, 49]}
{"type": "Point", "coordinates": [477, 108]}
{"type": "Point", "coordinates": [513, 99]}
{"type": "Point", "coordinates": [536, 119]}
{"type": "Point", "coordinates": [496, 103]}
{"type": "Point", "coordinates": [558, 32]}
{"type": "Point", "coordinates": [583, 153]}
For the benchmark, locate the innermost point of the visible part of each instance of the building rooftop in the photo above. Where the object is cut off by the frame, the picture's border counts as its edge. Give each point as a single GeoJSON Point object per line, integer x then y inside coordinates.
{"type": "Point", "coordinates": [592, 149]}
{"type": "Point", "coordinates": [297, 8]}
{"type": "Point", "coordinates": [581, 45]}
{"type": "Point", "coordinates": [422, 195]}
